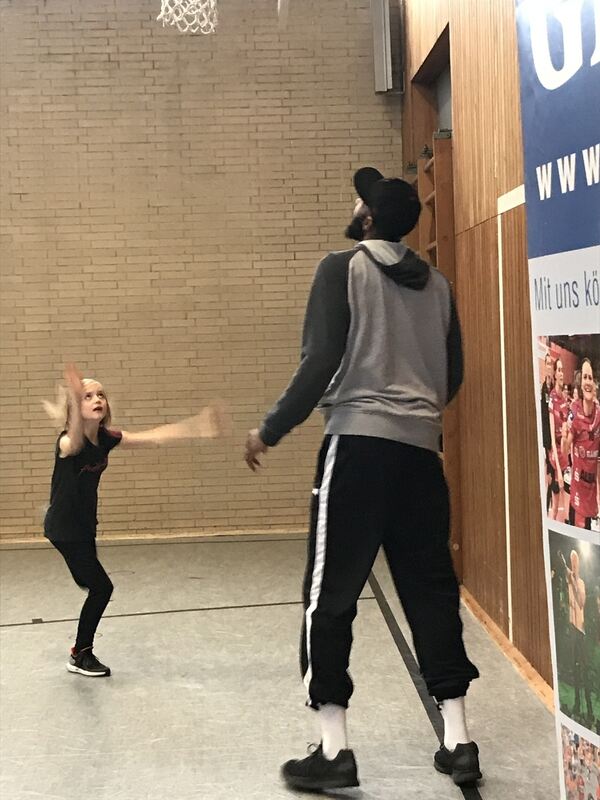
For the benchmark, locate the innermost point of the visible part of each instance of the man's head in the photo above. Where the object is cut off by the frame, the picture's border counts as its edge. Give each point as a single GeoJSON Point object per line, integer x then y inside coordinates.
{"type": "Point", "coordinates": [387, 208]}
{"type": "Point", "coordinates": [355, 230]}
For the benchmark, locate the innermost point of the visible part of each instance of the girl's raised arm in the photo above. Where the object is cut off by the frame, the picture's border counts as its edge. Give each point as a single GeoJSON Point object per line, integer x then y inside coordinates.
{"type": "Point", "coordinates": [208, 424]}
{"type": "Point", "coordinates": [72, 442]}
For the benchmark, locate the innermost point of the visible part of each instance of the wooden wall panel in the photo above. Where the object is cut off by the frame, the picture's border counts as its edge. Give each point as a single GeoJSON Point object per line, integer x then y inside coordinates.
{"type": "Point", "coordinates": [488, 152]}
{"type": "Point", "coordinates": [488, 162]}
{"type": "Point", "coordinates": [485, 98]}
{"type": "Point", "coordinates": [418, 122]}
{"type": "Point", "coordinates": [483, 518]}
{"type": "Point", "coordinates": [424, 21]}
{"type": "Point", "coordinates": [529, 605]}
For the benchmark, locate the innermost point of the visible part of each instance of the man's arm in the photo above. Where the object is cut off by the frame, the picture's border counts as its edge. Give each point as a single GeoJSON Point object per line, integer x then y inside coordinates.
{"type": "Point", "coordinates": [324, 337]}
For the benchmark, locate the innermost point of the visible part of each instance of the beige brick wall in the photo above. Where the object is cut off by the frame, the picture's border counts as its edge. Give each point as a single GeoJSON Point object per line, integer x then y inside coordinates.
{"type": "Point", "coordinates": [165, 201]}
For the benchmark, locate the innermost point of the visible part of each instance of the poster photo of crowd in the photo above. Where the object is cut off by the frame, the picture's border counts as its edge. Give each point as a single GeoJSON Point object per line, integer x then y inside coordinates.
{"type": "Point", "coordinates": [569, 381]}
{"type": "Point", "coordinates": [581, 766]}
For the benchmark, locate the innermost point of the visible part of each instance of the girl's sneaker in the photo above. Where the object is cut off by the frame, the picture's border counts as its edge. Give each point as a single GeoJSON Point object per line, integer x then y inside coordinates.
{"type": "Point", "coordinates": [86, 663]}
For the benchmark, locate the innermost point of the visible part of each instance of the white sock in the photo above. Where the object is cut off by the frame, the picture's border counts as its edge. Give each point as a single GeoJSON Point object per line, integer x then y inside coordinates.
{"type": "Point", "coordinates": [332, 721]}
{"type": "Point", "coordinates": [455, 723]}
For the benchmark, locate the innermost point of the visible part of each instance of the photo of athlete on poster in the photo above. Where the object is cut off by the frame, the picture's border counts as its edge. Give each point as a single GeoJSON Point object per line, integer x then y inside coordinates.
{"type": "Point", "coordinates": [569, 374]}
{"type": "Point", "coordinates": [575, 574]}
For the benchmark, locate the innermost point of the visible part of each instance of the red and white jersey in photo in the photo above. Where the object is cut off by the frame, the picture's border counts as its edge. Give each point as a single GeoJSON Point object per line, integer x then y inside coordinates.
{"type": "Point", "coordinates": [559, 408]}
{"type": "Point", "coordinates": [586, 450]}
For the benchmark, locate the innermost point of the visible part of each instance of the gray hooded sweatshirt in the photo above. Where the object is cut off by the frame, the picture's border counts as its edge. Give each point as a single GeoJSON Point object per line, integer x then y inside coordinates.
{"type": "Point", "coordinates": [381, 349]}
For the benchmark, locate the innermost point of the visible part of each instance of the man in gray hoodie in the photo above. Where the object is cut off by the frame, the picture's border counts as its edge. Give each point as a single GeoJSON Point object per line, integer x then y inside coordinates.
{"type": "Point", "coordinates": [381, 358]}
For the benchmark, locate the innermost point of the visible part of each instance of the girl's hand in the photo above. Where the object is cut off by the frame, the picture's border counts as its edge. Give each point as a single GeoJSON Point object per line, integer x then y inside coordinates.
{"type": "Point", "coordinates": [211, 423]}
{"type": "Point", "coordinates": [72, 442]}
{"type": "Point", "coordinates": [73, 379]}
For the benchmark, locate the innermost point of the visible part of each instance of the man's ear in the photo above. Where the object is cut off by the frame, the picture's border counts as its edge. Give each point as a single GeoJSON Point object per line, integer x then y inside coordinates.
{"type": "Point", "coordinates": [367, 223]}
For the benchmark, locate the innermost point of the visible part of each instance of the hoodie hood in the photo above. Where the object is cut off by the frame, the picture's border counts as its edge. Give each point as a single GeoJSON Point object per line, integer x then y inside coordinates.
{"type": "Point", "coordinates": [397, 262]}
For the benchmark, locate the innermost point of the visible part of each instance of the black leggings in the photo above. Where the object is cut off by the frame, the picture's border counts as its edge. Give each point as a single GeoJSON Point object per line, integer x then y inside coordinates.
{"type": "Point", "coordinates": [88, 573]}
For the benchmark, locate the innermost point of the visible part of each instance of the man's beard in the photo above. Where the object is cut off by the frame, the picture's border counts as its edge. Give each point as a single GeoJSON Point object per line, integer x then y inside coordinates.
{"type": "Point", "coordinates": [355, 231]}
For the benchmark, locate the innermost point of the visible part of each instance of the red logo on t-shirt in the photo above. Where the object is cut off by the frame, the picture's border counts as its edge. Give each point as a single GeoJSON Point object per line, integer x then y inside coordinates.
{"type": "Point", "coordinates": [100, 467]}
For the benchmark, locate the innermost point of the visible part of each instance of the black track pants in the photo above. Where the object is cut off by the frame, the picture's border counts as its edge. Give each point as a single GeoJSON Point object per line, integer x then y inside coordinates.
{"type": "Point", "coordinates": [369, 493]}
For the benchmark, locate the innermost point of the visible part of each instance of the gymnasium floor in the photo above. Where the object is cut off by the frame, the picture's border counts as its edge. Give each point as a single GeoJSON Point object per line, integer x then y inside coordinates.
{"type": "Point", "coordinates": [205, 700]}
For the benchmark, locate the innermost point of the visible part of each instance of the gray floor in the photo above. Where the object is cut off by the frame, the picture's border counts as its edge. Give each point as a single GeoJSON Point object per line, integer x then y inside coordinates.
{"type": "Point", "coordinates": [205, 700]}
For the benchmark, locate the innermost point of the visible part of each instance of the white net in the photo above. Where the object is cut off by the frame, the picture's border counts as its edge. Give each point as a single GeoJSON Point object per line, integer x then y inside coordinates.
{"type": "Point", "coordinates": [189, 16]}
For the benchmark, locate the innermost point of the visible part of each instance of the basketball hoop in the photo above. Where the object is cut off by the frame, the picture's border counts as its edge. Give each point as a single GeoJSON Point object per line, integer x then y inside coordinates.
{"type": "Point", "coordinates": [189, 16]}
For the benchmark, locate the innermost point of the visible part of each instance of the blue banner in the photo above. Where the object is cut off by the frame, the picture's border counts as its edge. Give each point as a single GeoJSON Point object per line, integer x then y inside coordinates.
{"type": "Point", "coordinates": [559, 53]}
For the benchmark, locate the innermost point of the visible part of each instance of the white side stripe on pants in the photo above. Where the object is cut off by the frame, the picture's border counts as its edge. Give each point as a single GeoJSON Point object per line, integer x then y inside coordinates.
{"type": "Point", "coordinates": [320, 546]}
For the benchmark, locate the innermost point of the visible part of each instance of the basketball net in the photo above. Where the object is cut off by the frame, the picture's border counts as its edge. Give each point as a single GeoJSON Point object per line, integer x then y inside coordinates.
{"type": "Point", "coordinates": [189, 16]}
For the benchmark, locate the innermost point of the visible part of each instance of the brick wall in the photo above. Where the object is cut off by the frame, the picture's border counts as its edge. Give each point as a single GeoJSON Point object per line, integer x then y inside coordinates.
{"type": "Point", "coordinates": [165, 201]}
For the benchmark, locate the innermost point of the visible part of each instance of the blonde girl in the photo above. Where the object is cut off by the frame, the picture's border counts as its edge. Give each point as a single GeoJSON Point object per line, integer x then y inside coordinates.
{"type": "Point", "coordinates": [81, 456]}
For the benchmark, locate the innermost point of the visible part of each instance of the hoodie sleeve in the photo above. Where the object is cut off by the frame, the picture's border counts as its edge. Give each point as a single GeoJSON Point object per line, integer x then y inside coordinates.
{"type": "Point", "coordinates": [325, 331]}
{"type": "Point", "coordinates": [455, 351]}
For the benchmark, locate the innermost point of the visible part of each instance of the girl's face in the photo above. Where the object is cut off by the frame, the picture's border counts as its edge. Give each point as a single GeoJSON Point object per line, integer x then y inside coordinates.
{"type": "Point", "coordinates": [93, 402]}
{"type": "Point", "coordinates": [587, 382]}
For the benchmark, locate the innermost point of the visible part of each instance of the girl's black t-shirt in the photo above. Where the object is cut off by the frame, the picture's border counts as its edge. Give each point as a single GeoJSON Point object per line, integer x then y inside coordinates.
{"type": "Point", "coordinates": [74, 491]}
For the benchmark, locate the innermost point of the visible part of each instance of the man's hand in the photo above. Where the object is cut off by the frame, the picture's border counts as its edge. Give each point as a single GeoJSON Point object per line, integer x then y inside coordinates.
{"type": "Point", "coordinates": [254, 447]}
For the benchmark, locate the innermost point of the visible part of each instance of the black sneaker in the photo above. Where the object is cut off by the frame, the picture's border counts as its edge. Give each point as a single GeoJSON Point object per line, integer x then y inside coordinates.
{"type": "Point", "coordinates": [315, 772]}
{"type": "Point", "coordinates": [86, 663]}
{"type": "Point", "coordinates": [462, 763]}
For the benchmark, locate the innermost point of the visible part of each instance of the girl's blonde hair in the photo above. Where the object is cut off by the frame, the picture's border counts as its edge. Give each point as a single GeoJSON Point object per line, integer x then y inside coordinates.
{"type": "Point", "coordinates": [59, 410]}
